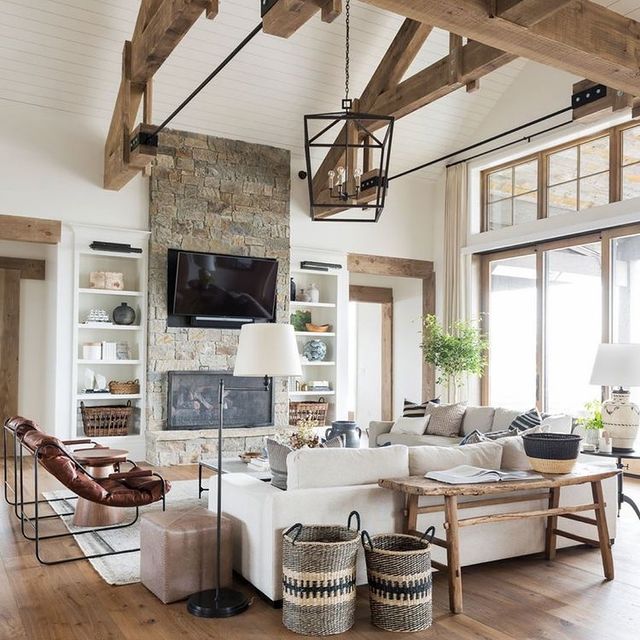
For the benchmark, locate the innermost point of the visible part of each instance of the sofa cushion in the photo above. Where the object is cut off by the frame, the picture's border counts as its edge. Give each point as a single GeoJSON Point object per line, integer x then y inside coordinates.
{"type": "Point", "coordinates": [477, 419]}
{"type": "Point", "coordinates": [503, 418]}
{"type": "Point", "coordinates": [385, 439]}
{"type": "Point", "coordinates": [446, 420]}
{"type": "Point", "coordinates": [513, 455]}
{"type": "Point", "coordinates": [560, 423]}
{"type": "Point", "coordinates": [487, 455]}
{"type": "Point", "coordinates": [316, 468]}
{"type": "Point", "coordinates": [414, 426]}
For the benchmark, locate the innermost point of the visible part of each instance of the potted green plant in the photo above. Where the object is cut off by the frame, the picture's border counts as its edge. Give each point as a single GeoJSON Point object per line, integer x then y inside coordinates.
{"type": "Point", "coordinates": [454, 352]}
{"type": "Point", "coordinates": [592, 422]}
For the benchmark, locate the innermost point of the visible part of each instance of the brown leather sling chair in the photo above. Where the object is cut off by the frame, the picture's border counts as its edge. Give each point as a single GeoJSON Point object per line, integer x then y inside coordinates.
{"type": "Point", "coordinates": [129, 489]}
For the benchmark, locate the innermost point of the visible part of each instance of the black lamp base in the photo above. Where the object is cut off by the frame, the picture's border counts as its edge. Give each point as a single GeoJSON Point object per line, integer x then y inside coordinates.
{"type": "Point", "coordinates": [228, 603]}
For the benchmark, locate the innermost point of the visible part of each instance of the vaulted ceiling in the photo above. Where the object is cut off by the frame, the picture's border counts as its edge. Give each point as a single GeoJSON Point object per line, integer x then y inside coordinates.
{"type": "Point", "coordinates": [66, 55]}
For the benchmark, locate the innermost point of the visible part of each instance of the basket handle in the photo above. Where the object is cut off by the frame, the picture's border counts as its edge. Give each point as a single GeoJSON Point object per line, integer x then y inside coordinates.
{"type": "Point", "coordinates": [128, 403]}
{"type": "Point", "coordinates": [296, 529]}
{"type": "Point", "coordinates": [357, 515]}
{"type": "Point", "coordinates": [366, 539]}
{"type": "Point", "coordinates": [430, 534]}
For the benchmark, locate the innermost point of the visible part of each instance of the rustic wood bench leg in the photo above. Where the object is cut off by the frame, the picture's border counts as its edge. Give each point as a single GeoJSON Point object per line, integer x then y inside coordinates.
{"type": "Point", "coordinates": [552, 525]}
{"type": "Point", "coordinates": [453, 553]}
{"type": "Point", "coordinates": [603, 530]}
{"type": "Point", "coordinates": [411, 522]}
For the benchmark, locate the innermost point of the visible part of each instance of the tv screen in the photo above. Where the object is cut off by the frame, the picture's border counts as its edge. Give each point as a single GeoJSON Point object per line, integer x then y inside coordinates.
{"type": "Point", "coordinates": [222, 286]}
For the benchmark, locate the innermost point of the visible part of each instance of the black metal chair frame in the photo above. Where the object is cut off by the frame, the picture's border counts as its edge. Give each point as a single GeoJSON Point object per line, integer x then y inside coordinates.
{"type": "Point", "coordinates": [34, 520]}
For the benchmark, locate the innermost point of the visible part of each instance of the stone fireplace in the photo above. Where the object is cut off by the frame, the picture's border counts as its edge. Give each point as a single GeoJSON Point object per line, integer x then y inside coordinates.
{"type": "Point", "coordinates": [221, 196]}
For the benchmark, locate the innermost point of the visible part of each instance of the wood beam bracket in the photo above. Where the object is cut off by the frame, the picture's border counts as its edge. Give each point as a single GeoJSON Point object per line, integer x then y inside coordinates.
{"type": "Point", "coordinates": [590, 100]}
{"type": "Point", "coordinates": [283, 18]}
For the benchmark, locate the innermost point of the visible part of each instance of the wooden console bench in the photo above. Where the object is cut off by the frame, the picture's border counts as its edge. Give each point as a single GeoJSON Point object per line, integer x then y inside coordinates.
{"type": "Point", "coordinates": [502, 493]}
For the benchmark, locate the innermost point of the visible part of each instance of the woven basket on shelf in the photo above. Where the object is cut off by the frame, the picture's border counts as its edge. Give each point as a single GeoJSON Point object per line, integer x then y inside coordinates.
{"type": "Point", "coordinates": [316, 411]}
{"type": "Point", "coordinates": [399, 576]}
{"type": "Point", "coordinates": [552, 452]}
{"type": "Point", "coordinates": [124, 388]}
{"type": "Point", "coordinates": [107, 420]}
{"type": "Point", "coordinates": [319, 578]}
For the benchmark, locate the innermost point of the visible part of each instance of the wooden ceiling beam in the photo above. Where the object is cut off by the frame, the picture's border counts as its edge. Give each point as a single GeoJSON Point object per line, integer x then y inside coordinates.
{"type": "Point", "coordinates": [580, 37]}
{"type": "Point", "coordinates": [22, 229]}
{"type": "Point", "coordinates": [285, 17]}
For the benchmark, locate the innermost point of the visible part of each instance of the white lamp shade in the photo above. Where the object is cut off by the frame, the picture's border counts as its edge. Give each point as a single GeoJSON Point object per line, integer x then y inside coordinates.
{"type": "Point", "coordinates": [267, 349]}
{"type": "Point", "coordinates": [617, 365]}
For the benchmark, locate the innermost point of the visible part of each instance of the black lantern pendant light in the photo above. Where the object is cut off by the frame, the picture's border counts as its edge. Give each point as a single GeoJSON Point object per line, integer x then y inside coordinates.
{"type": "Point", "coordinates": [352, 177]}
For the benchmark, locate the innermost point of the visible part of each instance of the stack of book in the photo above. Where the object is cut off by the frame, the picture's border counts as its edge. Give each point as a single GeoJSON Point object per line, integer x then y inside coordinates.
{"type": "Point", "coordinates": [109, 350]}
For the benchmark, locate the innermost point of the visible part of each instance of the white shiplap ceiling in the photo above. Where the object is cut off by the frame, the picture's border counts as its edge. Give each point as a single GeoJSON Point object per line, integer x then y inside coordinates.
{"type": "Point", "coordinates": [66, 55]}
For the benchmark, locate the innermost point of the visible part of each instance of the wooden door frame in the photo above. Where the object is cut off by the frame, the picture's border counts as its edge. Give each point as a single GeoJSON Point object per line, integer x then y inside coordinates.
{"type": "Point", "coordinates": [384, 297]}
{"type": "Point", "coordinates": [403, 268]}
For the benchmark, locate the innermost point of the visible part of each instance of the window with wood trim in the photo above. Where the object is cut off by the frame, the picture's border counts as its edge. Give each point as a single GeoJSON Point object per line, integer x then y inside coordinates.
{"type": "Point", "coordinates": [585, 173]}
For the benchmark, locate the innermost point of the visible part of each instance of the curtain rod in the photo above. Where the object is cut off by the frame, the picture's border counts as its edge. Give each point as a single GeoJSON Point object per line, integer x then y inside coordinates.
{"type": "Point", "coordinates": [487, 141]}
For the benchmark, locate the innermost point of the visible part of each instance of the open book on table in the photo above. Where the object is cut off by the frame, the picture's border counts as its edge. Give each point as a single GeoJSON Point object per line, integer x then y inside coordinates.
{"type": "Point", "coordinates": [466, 474]}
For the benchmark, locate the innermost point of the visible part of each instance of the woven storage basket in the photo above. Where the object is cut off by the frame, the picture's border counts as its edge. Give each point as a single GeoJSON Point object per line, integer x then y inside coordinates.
{"type": "Point", "coordinates": [308, 411]}
{"type": "Point", "coordinates": [107, 420]}
{"type": "Point", "coordinates": [131, 386]}
{"type": "Point", "coordinates": [399, 576]}
{"type": "Point", "coordinates": [552, 452]}
{"type": "Point", "coordinates": [319, 578]}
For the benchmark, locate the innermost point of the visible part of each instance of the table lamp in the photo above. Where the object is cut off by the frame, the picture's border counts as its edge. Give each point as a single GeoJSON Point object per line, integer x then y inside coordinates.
{"type": "Point", "coordinates": [263, 350]}
{"type": "Point", "coordinates": [619, 365]}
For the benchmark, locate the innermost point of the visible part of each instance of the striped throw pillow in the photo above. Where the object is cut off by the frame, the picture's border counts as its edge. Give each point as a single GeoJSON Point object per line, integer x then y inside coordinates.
{"type": "Point", "coordinates": [526, 420]}
{"type": "Point", "coordinates": [413, 410]}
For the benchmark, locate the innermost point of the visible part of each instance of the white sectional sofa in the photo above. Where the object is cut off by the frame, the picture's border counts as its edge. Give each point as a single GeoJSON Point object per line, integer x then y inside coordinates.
{"type": "Point", "coordinates": [325, 485]}
{"type": "Point", "coordinates": [483, 419]}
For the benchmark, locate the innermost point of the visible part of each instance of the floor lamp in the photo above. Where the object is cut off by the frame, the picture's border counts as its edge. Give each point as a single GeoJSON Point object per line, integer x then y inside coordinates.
{"type": "Point", "coordinates": [267, 350]}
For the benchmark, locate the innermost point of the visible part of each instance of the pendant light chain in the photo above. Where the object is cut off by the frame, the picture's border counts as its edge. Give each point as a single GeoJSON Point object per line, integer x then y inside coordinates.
{"type": "Point", "coordinates": [346, 50]}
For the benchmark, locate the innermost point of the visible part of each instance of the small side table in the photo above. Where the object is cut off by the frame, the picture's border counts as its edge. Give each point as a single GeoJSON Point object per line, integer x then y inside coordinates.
{"type": "Point", "coordinates": [99, 463]}
{"type": "Point", "coordinates": [619, 457]}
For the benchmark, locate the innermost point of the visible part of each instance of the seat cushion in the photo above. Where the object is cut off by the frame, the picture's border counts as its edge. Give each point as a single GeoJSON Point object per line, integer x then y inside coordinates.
{"type": "Point", "coordinates": [415, 440]}
{"type": "Point", "coordinates": [487, 455]}
{"type": "Point", "coordinates": [503, 418]}
{"type": "Point", "coordinates": [477, 419]}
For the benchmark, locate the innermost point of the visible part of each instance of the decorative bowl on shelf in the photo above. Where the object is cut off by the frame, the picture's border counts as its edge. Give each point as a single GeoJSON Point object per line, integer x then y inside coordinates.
{"type": "Point", "coordinates": [317, 328]}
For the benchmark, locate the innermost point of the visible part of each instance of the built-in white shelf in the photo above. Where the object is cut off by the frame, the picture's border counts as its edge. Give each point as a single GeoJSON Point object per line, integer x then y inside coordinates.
{"type": "Point", "coordinates": [108, 361]}
{"type": "Point", "coordinates": [317, 364]}
{"type": "Point", "coordinates": [109, 326]}
{"type": "Point", "coordinates": [112, 254]}
{"type": "Point", "coordinates": [108, 396]}
{"type": "Point", "coordinates": [312, 393]}
{"type": "Point", "coordinates": [316, 334]}
{"type": "Point", "coordinates": [311, 272]}
{"type": "Point", "coordinates": [111, 292]}
{"type": "Point", "coordinates": [311, 305]}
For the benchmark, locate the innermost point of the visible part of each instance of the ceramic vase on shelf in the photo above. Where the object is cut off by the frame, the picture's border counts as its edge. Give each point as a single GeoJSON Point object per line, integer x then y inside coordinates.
{"type": "Point", "coordinates": [124, 314]}
{"type": "Point", "coordinates": [292, 290]}
{"type": "Point", "coordinates": [314, 293]}
{"type": "Point", "coordinates": [349, 431]}
{"type": "Point", "coordinates": [314, 350]}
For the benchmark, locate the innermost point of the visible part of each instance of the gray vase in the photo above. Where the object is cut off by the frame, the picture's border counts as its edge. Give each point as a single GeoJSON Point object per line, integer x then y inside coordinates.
{"type": "Point", "coordinates": [124, 314]}
{"type": "Point", "coordinates": [348, 429]}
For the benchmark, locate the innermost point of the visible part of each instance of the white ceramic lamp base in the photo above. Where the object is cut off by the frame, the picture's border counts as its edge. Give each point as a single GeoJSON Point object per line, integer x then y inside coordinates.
{"type": "Point", "coordinates": [621, 419]}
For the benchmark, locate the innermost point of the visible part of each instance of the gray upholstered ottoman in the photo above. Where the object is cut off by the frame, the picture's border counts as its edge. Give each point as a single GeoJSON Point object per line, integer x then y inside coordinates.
{"type": "Point", "coordinates": [177, 552]}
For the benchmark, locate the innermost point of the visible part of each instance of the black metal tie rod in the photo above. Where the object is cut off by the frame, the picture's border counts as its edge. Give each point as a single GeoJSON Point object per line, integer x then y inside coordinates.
{"type": "Point", "coordinates": [488, 140]}
{"type": "Point", "coordinates": [208, 79]}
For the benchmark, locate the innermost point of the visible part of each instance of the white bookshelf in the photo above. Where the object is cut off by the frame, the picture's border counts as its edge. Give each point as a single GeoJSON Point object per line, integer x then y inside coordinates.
{"type": "Point", "coordinates": [134, 267]}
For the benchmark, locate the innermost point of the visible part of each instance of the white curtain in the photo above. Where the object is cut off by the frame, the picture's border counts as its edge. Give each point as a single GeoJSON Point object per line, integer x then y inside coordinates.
{"type": "Point", "coordinates": [455, 237]}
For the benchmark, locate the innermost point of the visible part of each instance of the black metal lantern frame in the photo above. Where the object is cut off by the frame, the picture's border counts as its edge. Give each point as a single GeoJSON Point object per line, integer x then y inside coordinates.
{"type": "Point", "coordinates": [364, 142]}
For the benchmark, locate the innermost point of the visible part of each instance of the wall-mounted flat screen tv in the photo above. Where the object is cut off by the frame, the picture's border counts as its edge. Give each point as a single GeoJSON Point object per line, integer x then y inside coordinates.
{"type": "Point", "coordinates": [210, 285]}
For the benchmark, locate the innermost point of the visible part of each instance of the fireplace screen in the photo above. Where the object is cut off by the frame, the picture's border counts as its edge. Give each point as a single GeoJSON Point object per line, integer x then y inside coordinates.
{"type": "Point", "coordinates": [193, 401]}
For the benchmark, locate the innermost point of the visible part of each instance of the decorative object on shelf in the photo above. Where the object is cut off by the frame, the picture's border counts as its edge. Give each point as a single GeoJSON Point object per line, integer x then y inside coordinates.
{"type": "Point", "coordinates": [92, 351]}
{"type": "Point", "coordinates": [619, 364]}
{"type": "Point", "coordinates": [114, 280]}
{"type": "Point", "coordinates": [591, 423]}
{"type": "Point", "coordinates": [314, 411]}
{"type": "Point", "coordinates": [264, 349]}
{"type": "Point", "coordinates": [123, 351]}
{"type": "Point", "coordinates": [248, 456]}
{"type": "Point", "coordinates": [317, 328]}
{"type": "Point", "coordinates": [100, 383]}
{"type": "Point", "coordinates": [318, 385]}
{"type": "Point", "coordinates": [346, 428]}
{"type": "Point", "coordinates": [124, 388]}
{"type": "Point", "coordinates": [303, 296]}
{"type": "Point", "coordinates": [311, 265]}
{"type": "Point", "coordinates": [314, 350]}
{"type": "Point", "coordinates": [314, 293]}
{"type": "Point", "coordinates": [94, 382]}
{"type": "Point", "coordinates": [347, 184]}
{"type": "Point", "coordinates": [552, 452]}
{"type": "Point", "coordinates": [323, 559]}
{"type": "Point", "coordinates": [106, 421]}
{"type": "Point", "coordinates": [116, 247]}
{"type": "Point", "coordinates": [97, 280]}
{"type": "Point", "coordinates": [300, 319]}
{"type": "Point", "coordinates": [605, 442]}
{"type": "Point", "coordinates": [124, 314]}
{"type": "Point", "coordinates": [292, 290]}
{"type": "Point", "coordinates": [97, 315]}
{"type": "Point", "coordinates": [454, 352]}
{"type": "Point", "coordinates": [109, 350]}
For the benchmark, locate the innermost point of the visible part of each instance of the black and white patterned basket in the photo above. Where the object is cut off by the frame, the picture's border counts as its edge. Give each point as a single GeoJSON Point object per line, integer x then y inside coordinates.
{"type": "Point", "coordinates": [399, 575]}
{"type": "Point", "coordinates": [319, 577]}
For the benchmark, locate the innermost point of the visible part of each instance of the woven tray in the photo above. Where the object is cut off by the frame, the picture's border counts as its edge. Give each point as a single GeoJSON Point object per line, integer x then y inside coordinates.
{"type": "Point", "coordinates": [129, 387]}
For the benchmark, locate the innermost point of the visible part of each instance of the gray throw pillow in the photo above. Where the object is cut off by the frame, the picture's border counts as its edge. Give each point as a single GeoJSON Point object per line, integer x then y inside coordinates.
{"type": "Point", "coordinates": [446, 420]}
{"type": "Point", "coordinates": [333, 443]}
{"type": "Point", "coordinates": [278, 463]}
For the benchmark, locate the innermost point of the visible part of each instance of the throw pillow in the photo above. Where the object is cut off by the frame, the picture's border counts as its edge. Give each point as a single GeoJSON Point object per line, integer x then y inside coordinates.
{"type": "Point", "coordinates": [526, 420]}
{"type": "Point", "coordinates": [513, 456]}
{"type": "Point", "coordinates": [413, 410]}
{"type": "Point", "coordinates": [413, 426]}
{"type": "Point", "coordinates": [277, 454]}
{"type": "Point", "coordinates": [445, 420]}
{"type": "Point", "coordinates": [473, 438]}
{"type": "Point", "coordinates": [333, 443]}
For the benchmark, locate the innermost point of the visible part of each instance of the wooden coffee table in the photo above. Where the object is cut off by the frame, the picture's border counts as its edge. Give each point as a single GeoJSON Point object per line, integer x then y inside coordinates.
{"type": "Point", "coordinates": [99, 463]}
{"type": "Point", "coordinates": [500, 493]}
